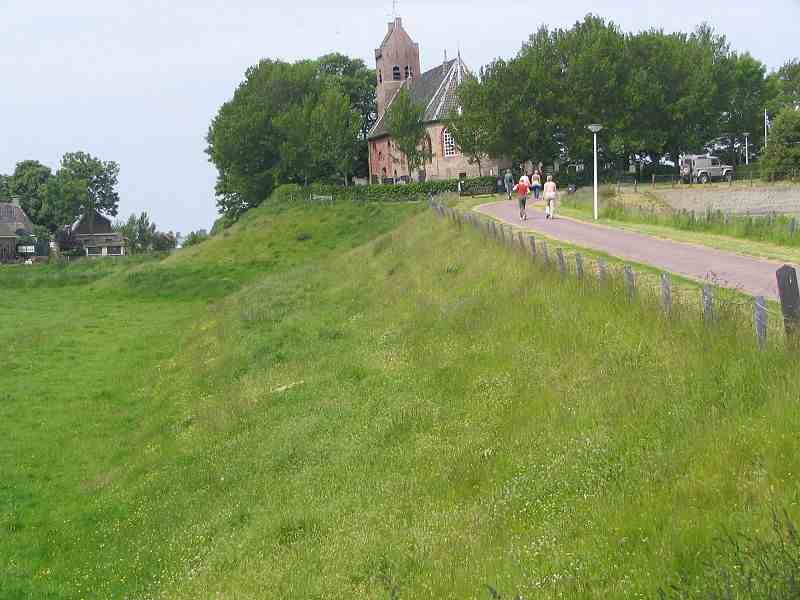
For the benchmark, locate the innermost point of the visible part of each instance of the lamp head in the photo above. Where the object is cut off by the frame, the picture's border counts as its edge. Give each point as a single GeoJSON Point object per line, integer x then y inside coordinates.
{"type": "Point", "coordinates": [746, 134]}
{"type": "Point", "coordinates": [595, 128]}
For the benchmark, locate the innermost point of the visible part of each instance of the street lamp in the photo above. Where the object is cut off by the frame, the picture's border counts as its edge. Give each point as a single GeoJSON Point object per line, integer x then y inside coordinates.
{"type": "Point", "coordinates": [595, 129]}
{"type": "Point", "coordinates": [746, 148]}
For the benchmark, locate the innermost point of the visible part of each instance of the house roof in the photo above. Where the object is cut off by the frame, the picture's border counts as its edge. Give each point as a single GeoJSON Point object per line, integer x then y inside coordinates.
{"type": "Point", "coordinates": [12, 219]}
{"type": "Point", "coordinates": [436, 90]}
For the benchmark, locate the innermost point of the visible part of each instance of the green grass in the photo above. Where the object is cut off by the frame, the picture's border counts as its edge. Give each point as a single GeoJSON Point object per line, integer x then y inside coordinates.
{"type": "Point", "coordinates": [423, 415]}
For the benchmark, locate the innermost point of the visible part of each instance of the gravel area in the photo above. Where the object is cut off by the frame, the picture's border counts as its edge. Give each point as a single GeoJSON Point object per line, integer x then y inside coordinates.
{"type": "Point", "coordinates": [782, 199]}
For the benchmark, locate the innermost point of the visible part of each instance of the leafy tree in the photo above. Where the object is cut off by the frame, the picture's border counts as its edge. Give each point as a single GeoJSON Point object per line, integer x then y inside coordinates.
{"type": "Point", "coordinates": [194, 238]}
{"type": "Point", "coordinates": [355, 80]}
{"type": "Point", "coordinates": [296, 163]}
{"type": "Point", "coordinates": [404, 122]}
{"type": "Point", "coordinates": [782, 156]}
{"type": "Point", "coordinates": [334, 131]}
{"type": "Point", "coordinates": [141, 233]}
{"type": "Point", "coordinates": [99, 179]}
{"type": "Point", "coordinates": [164, 242]}
{"type": "Point", "coordinates": [747, 96]}
{"type": "Point", "coordinates": [784, 87]}
{"type": "Point", "coordinates": [27, 184]}
{"type": "Point", "coordinates": [245, 141]}
{"type": "Point", "coordinates": [5, 192]}
{"type": "Point", "coordinates": [470, 124]}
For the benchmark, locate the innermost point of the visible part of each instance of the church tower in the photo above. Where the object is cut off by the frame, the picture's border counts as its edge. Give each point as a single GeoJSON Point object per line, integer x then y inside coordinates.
{"type": "Point", "coordinates": [396, 60]}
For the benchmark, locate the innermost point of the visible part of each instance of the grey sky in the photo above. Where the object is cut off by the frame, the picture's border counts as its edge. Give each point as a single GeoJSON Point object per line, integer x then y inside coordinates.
{"type": "Point", "coordinates": [139, 82]}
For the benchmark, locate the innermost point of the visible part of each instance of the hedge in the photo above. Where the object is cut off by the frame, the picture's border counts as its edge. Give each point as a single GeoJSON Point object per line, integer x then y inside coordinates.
{"type": "Point", "coordinates": [381, 192]}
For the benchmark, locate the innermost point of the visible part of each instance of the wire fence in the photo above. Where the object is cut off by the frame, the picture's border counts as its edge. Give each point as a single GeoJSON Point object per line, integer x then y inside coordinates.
{"type": "Point", "coordinates": [714, 302]}
{"type": "Point", "coordinates": [745, 177]}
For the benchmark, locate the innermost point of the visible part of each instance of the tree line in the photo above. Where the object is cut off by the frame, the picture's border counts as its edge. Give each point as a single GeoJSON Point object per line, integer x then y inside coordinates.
{"type": "Point", "coordinates": [657, 95]}
{"type": "Point", "coordinates": [82, 183]}
{"type": "Point", "coordinates": [53, 200]}
{"type": "Point", "coordinates": [296, 122]}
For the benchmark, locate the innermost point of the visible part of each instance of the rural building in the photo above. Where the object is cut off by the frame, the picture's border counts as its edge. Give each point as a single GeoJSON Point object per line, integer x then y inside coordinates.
{"type": "Point", "coordinates": [14, 225]}
{"type": "Point", "coordinates": [398, 67]}
{"type": "Point", "coordinates": [97, 237]}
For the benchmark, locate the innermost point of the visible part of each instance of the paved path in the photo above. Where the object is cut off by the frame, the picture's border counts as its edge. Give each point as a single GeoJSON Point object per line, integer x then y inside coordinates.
{"type": "Point", "coordinates": [752, 275]}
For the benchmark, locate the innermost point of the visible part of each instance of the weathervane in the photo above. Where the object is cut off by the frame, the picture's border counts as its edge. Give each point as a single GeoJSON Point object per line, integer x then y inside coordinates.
{"type": "Point", "coordinates": [394, 9]}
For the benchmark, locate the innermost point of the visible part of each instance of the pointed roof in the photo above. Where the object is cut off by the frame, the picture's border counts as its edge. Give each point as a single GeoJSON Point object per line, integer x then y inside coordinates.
{"type": "Point", "coordinates": [13, 219]}
{"type": "Point", "coordinates": [436, 90]}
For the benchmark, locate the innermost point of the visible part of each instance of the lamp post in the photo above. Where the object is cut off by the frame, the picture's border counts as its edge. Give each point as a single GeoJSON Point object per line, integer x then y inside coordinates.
{"type": "Point", "coordinates": [746, 147]}
{"type": "Point", "coordinates": [595, 129]}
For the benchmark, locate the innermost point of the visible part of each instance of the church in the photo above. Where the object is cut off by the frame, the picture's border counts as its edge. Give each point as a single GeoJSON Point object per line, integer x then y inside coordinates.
{"type": "Point", "coordinates": [398, 66]}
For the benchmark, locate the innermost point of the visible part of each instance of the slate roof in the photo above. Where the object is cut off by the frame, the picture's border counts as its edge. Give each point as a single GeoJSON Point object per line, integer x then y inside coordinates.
{"type": "Point", "coordinates": [13, 218]}
{"type": "Point", "coordinates": [436, 90]}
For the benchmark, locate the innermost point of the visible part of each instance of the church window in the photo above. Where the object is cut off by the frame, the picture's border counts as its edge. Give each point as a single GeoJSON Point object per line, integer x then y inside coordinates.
{"type": "Point", "coordinates": [409, 72]}
{"type": "Point", "coordinates": [449, 144]}
{"type": "Point", "coordinates": [396, 73]}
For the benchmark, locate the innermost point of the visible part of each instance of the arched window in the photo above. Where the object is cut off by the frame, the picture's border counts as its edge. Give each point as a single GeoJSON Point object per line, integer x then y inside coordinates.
{"type": "Point", "coordinates": [409, 72]}
{"type": "Point", "coordinates": [396, 73]}
{"type": "Point", "coordinates": [448, 144]}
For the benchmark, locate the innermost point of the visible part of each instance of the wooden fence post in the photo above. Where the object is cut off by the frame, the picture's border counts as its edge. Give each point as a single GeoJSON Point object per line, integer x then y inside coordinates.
{"type": "Point", "coordinates": [533, 248]}
{"type": "Point", "coordinates": [666, 294]}
{"type": "Point", "coordinates": [579, 266]}
{"type": "Point", "coordinates": [545, 254]}
{"type": "Point", "coordinates": [760, 320]}
{"type": "Point", "coordinates": [790, 301]}
{"type": "Point", "coordinates": [562, 264]}
{"type": "Point", "coordinates": [708, 303]}
{"type": "Point", "coordinates": [521, 240]}
{"type": "Point", "coordinates": [602, 272]}
{"type": "Point", "coordinates": [630, 281]}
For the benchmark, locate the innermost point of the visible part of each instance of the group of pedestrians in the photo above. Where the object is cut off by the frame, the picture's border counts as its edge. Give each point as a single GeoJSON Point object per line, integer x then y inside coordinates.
{"type": "Point", "coordinates": [532, 186]}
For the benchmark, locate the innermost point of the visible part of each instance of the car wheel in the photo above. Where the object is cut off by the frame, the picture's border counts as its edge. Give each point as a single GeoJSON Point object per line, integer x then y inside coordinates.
{"type": "Point", "coordinates": [704, 178]}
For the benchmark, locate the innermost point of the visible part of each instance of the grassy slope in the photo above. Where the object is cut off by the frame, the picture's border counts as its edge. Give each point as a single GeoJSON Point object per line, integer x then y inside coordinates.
{"type": "Point", "coordinates": [83, 346]}
{"type": "Point", "coordinates": [420, 417]}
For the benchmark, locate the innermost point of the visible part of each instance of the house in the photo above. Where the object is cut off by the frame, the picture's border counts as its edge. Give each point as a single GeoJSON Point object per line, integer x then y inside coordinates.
{"type": "Point", "coordinates": [398, 67]}
{"type": "Point", "coordinates": [14, 227]}
{"type": "Point", "coordinates": [97, 237]}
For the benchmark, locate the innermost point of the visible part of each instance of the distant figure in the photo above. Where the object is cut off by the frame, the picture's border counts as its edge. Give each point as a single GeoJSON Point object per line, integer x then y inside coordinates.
{"type": "Point", "coordinates": [509, 181]}
{"type": "Point", "coordinates": [536, 186]}
{"type": "Point", "coordinates": [550, 196]}
{"type": "Point", "coordinates": [522, 190]}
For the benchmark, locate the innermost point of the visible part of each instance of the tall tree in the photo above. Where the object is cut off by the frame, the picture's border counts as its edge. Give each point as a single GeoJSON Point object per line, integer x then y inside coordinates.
{"type": "Point", "coordinates": [99, 179]}
{"type": "Point", "coordinates": [335, 128]}
{"type": "Point", "coordinates": [244, 140]}
{"type": "Point", "coordinates": [784, 87]}
{"type": "Point", "coordinates": [404, 122]}
{"type": "Point", "coordinates": [27, 184]}
{"type": "Point", "coordinates": [782, 156]}
{"type": "Point", "coordinates": [469, 127]}
{"type": "Point", "coordinates": [5, 192]}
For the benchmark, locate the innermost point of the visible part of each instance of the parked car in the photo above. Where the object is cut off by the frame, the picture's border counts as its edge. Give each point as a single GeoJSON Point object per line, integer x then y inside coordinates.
{"type": "Point", "coordinates": [703, 168]}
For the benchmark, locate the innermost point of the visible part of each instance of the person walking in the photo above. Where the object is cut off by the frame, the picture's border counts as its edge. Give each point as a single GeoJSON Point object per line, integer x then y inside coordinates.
{"type": "Point", "coordinates": [522, 190]}
{"type": "Point", "coordinates": [509, 181]}
{"type": "Point", "coordinates": [550, 197]}
{"type": "Point", "coordinates": [536, 186]}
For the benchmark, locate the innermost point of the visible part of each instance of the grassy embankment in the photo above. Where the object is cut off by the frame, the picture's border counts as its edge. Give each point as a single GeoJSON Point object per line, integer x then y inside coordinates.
{"type": "Point", "coordinates": [422, 416]}
{"type": "Point", "coordinates": [646, 213]}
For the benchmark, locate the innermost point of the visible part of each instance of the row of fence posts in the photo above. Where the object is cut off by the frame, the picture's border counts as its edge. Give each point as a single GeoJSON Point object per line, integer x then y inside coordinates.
{"type": "Point", "coordinates": [786, 275]}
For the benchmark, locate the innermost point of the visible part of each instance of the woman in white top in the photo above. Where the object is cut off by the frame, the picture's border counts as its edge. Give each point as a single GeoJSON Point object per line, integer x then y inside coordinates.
{"type": "Point", "coordinates": [550, 197]}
